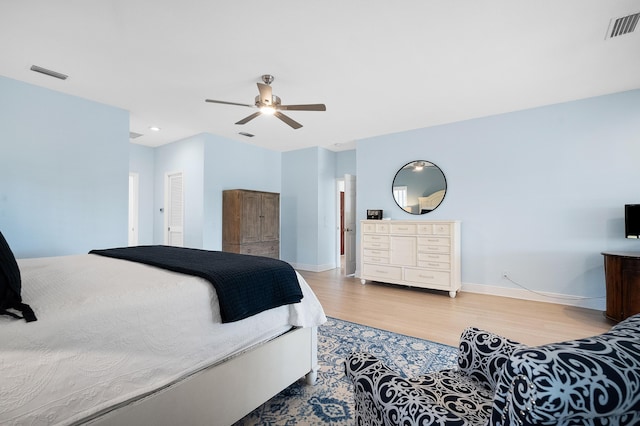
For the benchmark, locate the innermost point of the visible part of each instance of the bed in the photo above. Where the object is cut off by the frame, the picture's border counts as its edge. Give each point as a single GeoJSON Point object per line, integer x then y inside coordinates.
{"type": "Point", "coordinates": [120, 342]}
{"type": "Point", "coordinates": [430, 202]}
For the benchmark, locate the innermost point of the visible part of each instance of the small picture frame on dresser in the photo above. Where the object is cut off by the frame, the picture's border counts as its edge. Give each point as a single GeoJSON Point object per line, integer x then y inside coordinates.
{"type": "Point", "coordinates": [374, 214]}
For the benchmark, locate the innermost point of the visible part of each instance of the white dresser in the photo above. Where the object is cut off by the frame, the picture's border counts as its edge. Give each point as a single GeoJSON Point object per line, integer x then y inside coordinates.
{"type": "Point", "coordinates": [415, 253]}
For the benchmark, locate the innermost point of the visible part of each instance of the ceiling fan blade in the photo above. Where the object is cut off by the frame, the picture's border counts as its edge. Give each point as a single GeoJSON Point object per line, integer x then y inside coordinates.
{"type": "Point", "coordinates": [227, 103]}
{"type": "Point", "coordinates": [309, 107]}
{"type": "Point", "coordinates": [287, 120]}
{"type": "Point", "coordinates": [266, 96]}
{"type": "Point", "coordinates": [249, 118]}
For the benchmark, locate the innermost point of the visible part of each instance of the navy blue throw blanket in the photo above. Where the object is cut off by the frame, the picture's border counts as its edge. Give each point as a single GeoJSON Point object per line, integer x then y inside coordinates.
{"type": "Point", "coordinates": [246, 285]}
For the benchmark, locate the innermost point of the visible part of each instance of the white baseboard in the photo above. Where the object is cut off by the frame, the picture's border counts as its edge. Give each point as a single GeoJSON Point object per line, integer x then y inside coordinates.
{"type": "Point", "coordinates": [538, 296]}
{"type": "Point", "coordinates": [312, 268]}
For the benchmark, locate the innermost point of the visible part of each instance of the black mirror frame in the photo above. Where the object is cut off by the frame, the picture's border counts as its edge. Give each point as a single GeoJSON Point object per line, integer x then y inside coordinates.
{"type": "Point", "coordinates": [403, 168]}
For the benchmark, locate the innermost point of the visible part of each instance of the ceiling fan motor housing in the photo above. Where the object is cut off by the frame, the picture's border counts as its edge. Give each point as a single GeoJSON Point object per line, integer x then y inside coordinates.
{"type": "Point", "coordinates": [275, 100]}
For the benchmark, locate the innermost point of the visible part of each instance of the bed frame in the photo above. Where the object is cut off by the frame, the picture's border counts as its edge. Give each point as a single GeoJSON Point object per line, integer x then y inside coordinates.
{"type": "Point", "coordinates": [224, 393]}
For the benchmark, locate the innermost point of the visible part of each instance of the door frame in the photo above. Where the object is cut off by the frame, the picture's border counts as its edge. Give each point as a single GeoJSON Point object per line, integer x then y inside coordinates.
{"type": "Point", "coordinates": [167, 205]}
{"type": "Point", "coordinates": [134, 206]}
{"type": "Point", "coordinates": [341, 187]}
{"type": "Point", "coordinates": [339, 213]}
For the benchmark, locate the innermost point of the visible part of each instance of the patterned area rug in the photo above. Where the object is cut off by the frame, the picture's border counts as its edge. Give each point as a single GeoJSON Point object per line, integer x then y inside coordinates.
{"type": "Point", "coordinates": [331, 399]}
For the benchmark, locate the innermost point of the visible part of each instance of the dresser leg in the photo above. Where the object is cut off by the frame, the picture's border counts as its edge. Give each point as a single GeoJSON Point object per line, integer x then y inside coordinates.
{"type": "Point", "coordinates": [363, 281]}
{"type": "Point", "coordinates": [452, 294]}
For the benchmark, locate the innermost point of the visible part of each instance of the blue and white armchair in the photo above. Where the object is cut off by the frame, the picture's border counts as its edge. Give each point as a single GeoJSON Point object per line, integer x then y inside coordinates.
{"type": "Point", "coordinates": [591, 381]}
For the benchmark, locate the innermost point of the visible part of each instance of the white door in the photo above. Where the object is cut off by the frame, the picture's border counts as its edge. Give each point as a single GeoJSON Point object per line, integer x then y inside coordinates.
{"type": "Point", "coordinates": [133, 209]}
{"type": "Point", "coordinates": [349, 225]}
{"type": "Point", "coordinates": [174, 210]}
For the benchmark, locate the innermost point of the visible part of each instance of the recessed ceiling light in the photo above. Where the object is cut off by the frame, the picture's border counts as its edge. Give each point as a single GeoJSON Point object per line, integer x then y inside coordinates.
{"type": "Point", "coordinates": [249, 135]}
{"type": "Point", "coordinates": [154, 128]}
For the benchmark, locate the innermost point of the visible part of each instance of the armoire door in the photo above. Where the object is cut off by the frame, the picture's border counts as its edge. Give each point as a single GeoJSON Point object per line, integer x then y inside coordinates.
{"type": "Point", "coordinates": [270, 217]}
{"type": "Point", "coordinates": [251, 212]}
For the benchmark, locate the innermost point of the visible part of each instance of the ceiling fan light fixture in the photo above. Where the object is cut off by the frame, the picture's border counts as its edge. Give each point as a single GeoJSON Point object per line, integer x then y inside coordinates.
{"type": "Point", "coordinates": [268, 110]}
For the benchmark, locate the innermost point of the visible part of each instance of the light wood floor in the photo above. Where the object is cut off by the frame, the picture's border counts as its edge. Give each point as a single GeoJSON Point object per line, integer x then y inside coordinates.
{"type": "Point", "coordinates": [435, 316]}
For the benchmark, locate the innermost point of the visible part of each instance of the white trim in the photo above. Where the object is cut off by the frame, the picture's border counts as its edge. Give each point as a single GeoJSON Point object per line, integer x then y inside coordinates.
{"type": "Point", "coordinates": [538, 296]}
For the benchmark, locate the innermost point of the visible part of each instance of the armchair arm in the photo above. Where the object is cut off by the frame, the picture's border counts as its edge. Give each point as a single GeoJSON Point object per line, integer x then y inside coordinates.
{"type": "Point", "coordinates": [383, 397]}
{"type": "Point", "coordinates": [594, 380]}
{"type": "Point", "coordinates": [482, 355]}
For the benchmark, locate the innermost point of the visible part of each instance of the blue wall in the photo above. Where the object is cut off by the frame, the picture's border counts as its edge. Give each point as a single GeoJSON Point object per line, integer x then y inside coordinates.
{"type": "Point", "coordinates": [234, 165]}
{"type": "Point", "coordinates": [64, 164]}
{"type": "Point", "coordinates": [308, 208]}
{"type": "Point", "coordinates": [299, 207]}
{"type": "Point", "coordinates": [540, 192]}
{"type": "Point", "coordinates": [185, 156]}
{"type": "Point", "coordinates": [210, 164]}
{"type": "Point", "coordinates": [345, 163]}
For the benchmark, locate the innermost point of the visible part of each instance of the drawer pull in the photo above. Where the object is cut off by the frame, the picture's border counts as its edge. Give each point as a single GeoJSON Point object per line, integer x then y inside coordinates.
{"type": "Point", "coordinates": [435, 265]}
{"type": "Point", "coordinates": [429, 277]}
{"type": "Point", "coordinates": [381, 272]}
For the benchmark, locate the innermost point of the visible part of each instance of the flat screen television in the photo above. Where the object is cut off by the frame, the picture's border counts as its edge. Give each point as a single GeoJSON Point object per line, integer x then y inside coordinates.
{"type": "Point", "coordinates": [632, 220]}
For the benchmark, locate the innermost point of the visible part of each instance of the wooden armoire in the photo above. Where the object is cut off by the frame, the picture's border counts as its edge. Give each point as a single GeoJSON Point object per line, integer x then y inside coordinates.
{"type": "Point", "coordinates": [251, 222]}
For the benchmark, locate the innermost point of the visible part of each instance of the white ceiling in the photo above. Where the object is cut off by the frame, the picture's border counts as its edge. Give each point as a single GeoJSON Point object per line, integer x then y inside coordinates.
{"type": "Point", "coordinates": [380, 66]}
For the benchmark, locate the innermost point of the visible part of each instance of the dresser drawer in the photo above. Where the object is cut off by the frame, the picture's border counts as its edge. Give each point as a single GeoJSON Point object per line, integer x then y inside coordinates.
{"type": "Point", "coordinates": [442, 229]}
{"type": "Point", "coordinates": [438, 278]}
{"type": "Point", "coordinates": [445, 266]}
{"type": "Point", "coordinates": [376, 253]}
{"type": "Point", "coordinates": [403, 228]}
{"type": "Point", "coordinates": [375, 245]}
{"type": "Point", "coordinates": [434, 249]}
{"type": "Point", "coordinates": [384, 273]}
{"type": "Point", "coordinates": [435, 228]}
{"type": "Point", "coordinates": [434, 241]}
{"type": "Point", "coordinates": [376, 260]}
{"type": "Point", "coordinates": [373, 238]}
{"type": "Point", "coordinates": [434, 257]}
{"type": "Point", "coordinates": [378, 228]}
{"type": "Point", "coordinates": [368, 227]}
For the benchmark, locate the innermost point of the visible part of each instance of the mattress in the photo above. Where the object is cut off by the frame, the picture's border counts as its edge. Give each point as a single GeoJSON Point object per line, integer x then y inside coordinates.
{"type": "Point", "coordinates": [110, 330]}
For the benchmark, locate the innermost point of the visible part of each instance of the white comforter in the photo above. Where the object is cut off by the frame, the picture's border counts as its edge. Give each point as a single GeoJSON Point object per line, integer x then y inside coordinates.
{"type": "Point", "coordinates": [109, 330]}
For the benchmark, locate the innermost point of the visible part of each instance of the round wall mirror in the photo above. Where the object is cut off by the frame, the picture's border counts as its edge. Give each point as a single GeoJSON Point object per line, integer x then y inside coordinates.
{"type": "Point", "coordinates": [419, 187]}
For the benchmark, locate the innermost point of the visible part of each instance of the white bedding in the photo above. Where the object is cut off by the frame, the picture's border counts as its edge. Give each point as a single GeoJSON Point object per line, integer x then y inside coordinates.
{"type": "Point", "coordinates": [144, 326]}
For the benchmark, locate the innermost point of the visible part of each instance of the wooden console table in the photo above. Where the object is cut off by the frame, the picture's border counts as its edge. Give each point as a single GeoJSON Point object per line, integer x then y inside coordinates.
{"type": "Point", "coordinates": [622, 275]}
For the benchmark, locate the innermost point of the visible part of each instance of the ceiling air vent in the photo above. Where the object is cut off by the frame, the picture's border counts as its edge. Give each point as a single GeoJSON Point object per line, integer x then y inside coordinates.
{"type": "Point", "coordinates": [133, 135]}
{"type": "Point", "coordinates": [622, 26]}
{"type": "Point", "coordinates": [249, 135]}
{"type": "Point", "coordinates": [50, 73]}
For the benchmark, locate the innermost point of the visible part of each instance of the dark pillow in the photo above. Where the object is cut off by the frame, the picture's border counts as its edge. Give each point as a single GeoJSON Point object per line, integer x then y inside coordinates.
{"type": "Point", "coordinates": [11, 284]}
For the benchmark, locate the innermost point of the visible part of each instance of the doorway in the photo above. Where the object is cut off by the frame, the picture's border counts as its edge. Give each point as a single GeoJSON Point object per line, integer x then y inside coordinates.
{"type": "Point", "coordinates": [174, 210]}
{"type": "Point", "coordinates": [346, 229]}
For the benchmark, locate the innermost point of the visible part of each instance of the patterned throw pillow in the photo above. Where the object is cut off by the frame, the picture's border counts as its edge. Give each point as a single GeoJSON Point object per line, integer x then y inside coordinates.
{"type": "Point", "coordinates": [11, 285]}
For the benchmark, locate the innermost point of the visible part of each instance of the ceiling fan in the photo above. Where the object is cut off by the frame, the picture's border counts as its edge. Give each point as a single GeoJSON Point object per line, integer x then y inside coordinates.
{"type": "Point", "coordinates": [269, 103]}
